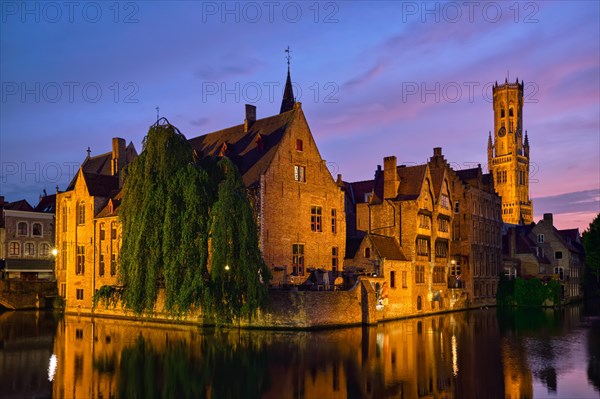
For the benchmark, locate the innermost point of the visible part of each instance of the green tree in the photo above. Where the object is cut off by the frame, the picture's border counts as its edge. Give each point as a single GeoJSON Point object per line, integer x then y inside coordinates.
{"type": "Point", "coordinates": [591, 244]}
{"type": "Point", "coordinates": [188, 227]}
{"type": "Point", "coordinates": [238, 273]}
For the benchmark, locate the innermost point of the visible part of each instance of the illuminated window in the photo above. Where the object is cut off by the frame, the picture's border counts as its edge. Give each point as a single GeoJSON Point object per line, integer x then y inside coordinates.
{"type": "Point", "coordinates": [443, 224]}
{"type": "Point", "coordinates": [29, 249]}
{"type": "Point", "coordinates": [14, 249]}
{"type": "Point", "coordinates": [424, 221]}
{"type": "Point", "coordinates": [441, 249]}
{"type": "Point", "coordinates": [445, 201]}
{"type": "Point", "coordinates": [44, 249]}
{"type": "Point", "coordinates": [299, 173]}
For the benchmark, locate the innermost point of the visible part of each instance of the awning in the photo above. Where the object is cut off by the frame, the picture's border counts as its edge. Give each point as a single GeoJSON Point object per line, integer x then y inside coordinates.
{"type": "Point", "coordinates": [29, 265]}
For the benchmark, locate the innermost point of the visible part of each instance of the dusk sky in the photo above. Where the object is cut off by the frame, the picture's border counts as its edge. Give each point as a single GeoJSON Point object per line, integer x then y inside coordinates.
{"type": "Point", "coordinates": [374, 78]}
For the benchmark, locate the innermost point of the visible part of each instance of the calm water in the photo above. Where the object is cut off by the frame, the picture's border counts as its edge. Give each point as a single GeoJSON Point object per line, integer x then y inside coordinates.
{"type": "Point", "coordinates": [476, 354]}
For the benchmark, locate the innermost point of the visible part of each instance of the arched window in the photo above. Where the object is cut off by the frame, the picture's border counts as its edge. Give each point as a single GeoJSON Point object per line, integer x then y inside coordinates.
{"type": "Point", "coordinates": [44, 249]}
{"type": "Point", "coordinates": [29, 249]}
{"type": "Point", "coordinates": [14, 249]}
{"type": "Point", "coordinates": [419, 303]}
{"type": "Point", "coordinates": [36, 229]}
{"type": "Point", "coordinates": [22, 229]}
{"type": "Point", "coordinates": [367, 252]}
{"type": "Point", "coordinates": [510, 112]}
{"type": "Point", "coordinates": [81, 213]}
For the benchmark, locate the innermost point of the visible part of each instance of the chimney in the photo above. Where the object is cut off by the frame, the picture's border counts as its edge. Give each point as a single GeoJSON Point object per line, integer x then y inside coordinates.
{"type": "Point", "coordinates": [250, 117]}
{"type": "Point", "coordinates": [390, 177]}
{"type": "Point", "coordinates": [437, 151]}
{"type": "Point", "coordinates": [118, 155]}
{"type": "Point", "coordinates": [548, 218]}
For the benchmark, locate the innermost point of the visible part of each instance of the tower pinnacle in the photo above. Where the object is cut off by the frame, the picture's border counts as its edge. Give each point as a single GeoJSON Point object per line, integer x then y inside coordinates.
{"type": "Point", "coordinates": [287, 103]}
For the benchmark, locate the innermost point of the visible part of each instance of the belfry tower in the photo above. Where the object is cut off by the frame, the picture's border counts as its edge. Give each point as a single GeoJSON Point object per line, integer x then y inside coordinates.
{"type": "Point", "coordinates": [508, 154]}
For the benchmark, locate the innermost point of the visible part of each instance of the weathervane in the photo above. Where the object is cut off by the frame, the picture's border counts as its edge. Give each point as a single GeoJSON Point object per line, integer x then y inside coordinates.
{"type": "Point", "coordinates": [288, 57]}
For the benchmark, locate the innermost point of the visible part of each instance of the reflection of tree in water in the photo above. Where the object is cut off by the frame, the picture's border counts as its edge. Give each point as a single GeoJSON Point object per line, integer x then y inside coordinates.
{"type": "Point", "coordinates": [593, 370]}
{"type": "Point", "coordinates": [223, 371]}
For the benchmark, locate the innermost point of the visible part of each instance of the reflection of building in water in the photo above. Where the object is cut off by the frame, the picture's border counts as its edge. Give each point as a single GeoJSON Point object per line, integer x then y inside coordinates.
{"type": "Point", "coordinates": [26, 342]}
{"type": "Point", "coordinates": [518, 381]}
{"type": "Point", "coordinates": [433, 357]}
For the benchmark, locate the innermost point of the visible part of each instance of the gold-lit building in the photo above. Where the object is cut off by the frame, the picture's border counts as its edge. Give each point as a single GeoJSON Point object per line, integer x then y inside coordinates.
{"type": "Point", "coordinates": [508, 154]}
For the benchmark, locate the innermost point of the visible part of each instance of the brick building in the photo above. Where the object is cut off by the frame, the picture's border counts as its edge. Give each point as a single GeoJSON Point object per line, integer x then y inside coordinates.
{"type": "Point", "coordinates": [27, 239]}
{"type": "Point", "coordinates": [508, 154]}
{"type": "Point", "coordinates": [477, 235]}
{"type": "Point", "coordinates": [413, 207]}
{"type": "Point", "coordinates": [541, 251]}
{"type": "Point", "coordinates": [86, 208]}
{"type": "Point", "coordinates": [298, 205]}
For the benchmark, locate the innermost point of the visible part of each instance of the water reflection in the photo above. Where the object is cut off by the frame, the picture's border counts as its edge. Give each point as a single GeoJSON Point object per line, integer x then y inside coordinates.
{"type": "Point", "coordinates": [481, 353]}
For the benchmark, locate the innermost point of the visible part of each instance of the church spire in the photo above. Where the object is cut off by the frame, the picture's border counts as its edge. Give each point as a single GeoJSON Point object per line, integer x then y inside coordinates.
{"type": "Point", "coordinates": [287, 103]}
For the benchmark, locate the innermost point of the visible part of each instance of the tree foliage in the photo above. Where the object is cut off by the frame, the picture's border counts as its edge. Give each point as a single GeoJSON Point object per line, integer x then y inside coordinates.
{"type": "Point", "coordinates": [591, 244]}
{"type": "Point", "coordinates": [183, 222]}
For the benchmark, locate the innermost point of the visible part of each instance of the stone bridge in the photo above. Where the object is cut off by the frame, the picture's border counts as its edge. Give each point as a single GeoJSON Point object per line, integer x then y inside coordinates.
{"type": "Point", "coordinates": [19, 294]}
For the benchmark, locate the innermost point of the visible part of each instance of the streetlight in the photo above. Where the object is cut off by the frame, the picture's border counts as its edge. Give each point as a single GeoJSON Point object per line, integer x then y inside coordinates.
{"type": "Point", "coordinates": [226, 267]}
{"type": "Point", "coordinates": [54, 251]}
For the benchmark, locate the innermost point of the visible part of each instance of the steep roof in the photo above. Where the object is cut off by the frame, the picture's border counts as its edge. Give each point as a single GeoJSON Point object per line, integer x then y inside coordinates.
{"type": "Point", "coordinates": [352, 246]}
{"type": "Point", "coordinates": [251, 151]}
{"type": "Point", "coordinates": [101, 185]}
{"type": "Point", "coordinates": [411, 181]}
{"type": "Point", "coordinates": [20, 205]}
{"type": "Point", "coordinates": [99, 164]}
{"type": "Point", "coordinates": [468, 175]}
{"type": "Point", "coordinates": [357, 190]}
{"type": "Point", "coordinates": [112, 206]}
{"type": "Point", "coordinates": [387, 247]}
{"type": "Point", "coordinates": [47, 204]}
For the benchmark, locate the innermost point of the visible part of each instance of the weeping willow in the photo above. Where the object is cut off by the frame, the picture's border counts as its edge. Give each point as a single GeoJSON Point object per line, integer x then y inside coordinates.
{"type": "Point", "coordinates": [188, 227]}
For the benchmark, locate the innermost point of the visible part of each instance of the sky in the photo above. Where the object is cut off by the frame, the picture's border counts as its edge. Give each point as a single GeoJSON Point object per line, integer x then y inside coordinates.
{"type": "Point", "coordinates": [374, 78]}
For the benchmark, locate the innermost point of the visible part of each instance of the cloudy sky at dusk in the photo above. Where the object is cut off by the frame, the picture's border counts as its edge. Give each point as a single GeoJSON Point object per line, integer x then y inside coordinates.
{"type": "Point", "coordinates": [374, 78]}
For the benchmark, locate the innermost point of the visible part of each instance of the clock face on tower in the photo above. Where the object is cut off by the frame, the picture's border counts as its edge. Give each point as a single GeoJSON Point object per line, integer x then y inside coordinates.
{"type": "Point", "coordinates": [502, 132]}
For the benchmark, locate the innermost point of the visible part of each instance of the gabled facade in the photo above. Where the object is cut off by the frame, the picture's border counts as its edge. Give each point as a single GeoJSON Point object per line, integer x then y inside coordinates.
{"type": "Point", "coordinates": [413, 207]}
{"type": "Point", "coordinates": [298, 205]}
{"type": "Point", "coordinates": [541, 251]}
{"type": "Point", "coordinates": [79, 218]}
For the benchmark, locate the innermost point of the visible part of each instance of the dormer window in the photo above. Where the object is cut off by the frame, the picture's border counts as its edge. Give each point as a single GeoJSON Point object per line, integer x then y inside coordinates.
{"type": "Point", "coordinates": [298, 145]}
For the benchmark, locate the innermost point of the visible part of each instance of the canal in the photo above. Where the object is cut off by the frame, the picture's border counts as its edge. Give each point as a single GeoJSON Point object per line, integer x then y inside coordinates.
{"type": "Point", "coordinates": [484, 353]}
